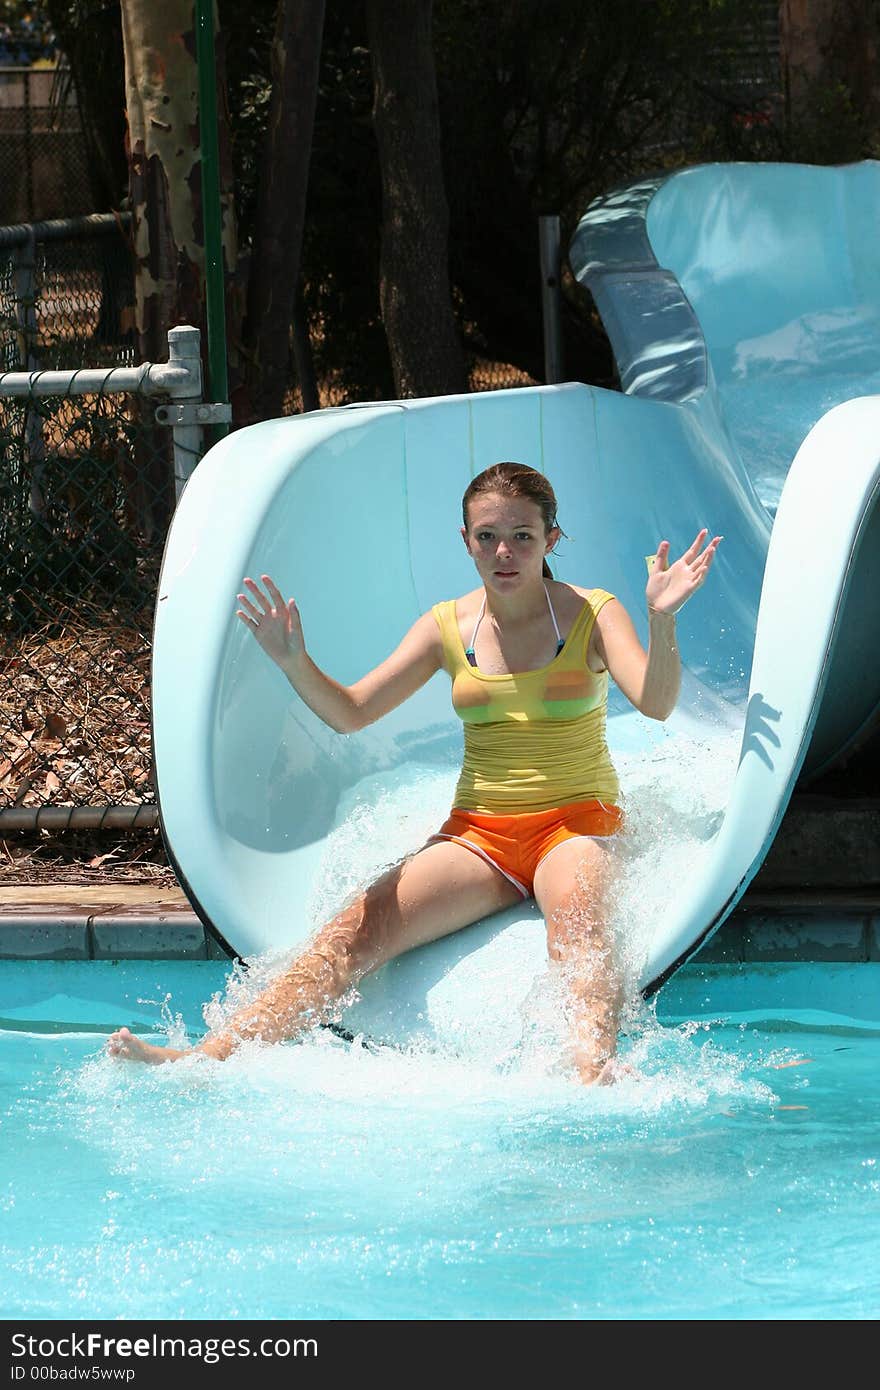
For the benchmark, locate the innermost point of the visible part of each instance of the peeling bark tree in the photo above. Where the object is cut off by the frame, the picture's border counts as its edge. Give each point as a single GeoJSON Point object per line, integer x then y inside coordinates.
{"type": "Point", "coordinates": [161, 98]}
{"type": "Point", "coordinates": [284, 177]}
{"type": "Point", "coordinates": [415, 296]}
{"type": "Point", "coordinates": [164, 153]}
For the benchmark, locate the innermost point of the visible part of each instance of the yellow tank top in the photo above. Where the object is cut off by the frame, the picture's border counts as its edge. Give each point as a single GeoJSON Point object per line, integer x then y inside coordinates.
{"type": "Point", "coordinates": [533, 740]}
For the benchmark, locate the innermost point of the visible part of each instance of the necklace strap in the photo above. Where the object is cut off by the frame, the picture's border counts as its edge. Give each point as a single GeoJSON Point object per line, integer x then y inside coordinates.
{"type": "Point", "coordinates": [470, 651]}
{"type": "Point", "coordinates": [560, 640]}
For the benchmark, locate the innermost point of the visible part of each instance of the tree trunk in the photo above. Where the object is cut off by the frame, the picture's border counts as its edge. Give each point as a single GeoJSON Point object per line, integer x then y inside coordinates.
{"type": "Point", "coordinates": [165, 191]}
{"type": "Point", "coordinates": [414, 289]}
{"type": "Point", "coordinates": [826, 43]}
{"type": "Point", "coordinates": [284, 177]}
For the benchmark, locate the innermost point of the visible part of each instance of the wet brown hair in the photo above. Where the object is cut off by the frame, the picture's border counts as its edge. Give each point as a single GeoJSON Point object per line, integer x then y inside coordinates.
{"type": "Point", "coordinates": [515, 480]}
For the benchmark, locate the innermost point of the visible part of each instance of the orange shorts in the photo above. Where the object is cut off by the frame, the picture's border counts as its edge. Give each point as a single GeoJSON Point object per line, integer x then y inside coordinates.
{"type": "Point", "coordinates": [515, 845]}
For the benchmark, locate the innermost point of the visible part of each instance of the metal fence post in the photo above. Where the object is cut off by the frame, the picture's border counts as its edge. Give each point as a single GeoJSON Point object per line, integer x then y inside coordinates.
{"type": "Point", "coordinates": [184, 350]}
{"type": "Point", "coordinates": [25, 286]}
{"type": "Point", "coordinates": [551, 296]}
{"type": "Point", "coordinates": [24, 259]}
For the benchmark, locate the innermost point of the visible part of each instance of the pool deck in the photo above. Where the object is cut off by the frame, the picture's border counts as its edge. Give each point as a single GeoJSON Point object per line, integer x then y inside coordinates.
{"type": "Point", "coordinates": [122, 921]}
{"type": "Point", "coordinates": [141, 922]}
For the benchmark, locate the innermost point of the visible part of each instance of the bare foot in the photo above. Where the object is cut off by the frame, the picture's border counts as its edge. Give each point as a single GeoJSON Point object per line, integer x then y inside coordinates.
{"type": "Point", "coordinates": [126, 1046]}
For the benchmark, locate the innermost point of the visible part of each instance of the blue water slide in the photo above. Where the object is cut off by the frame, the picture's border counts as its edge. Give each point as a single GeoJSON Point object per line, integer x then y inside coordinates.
{"type": "Point", "coordinates": [713, 284]}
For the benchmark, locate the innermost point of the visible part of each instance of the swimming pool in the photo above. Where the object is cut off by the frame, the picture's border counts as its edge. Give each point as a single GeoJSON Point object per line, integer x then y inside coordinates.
{"type": "Point", "coordinates": [733, 1175]}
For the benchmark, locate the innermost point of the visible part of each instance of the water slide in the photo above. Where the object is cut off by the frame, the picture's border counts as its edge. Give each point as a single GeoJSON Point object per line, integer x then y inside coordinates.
{"type": "Point", "coordinates": [743, 307]}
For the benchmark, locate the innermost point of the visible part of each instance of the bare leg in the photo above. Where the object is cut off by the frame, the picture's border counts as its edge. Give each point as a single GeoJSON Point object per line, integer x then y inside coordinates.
{"type": "Point", "coordinates": [570, 888]}
{"type": "Point", "coordinates": [438, 891]}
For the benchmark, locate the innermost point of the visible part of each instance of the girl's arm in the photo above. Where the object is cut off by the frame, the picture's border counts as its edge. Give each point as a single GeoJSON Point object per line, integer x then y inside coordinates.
{"type": "Point", "coordinates": [651, 680]}
{"type": "Point", "coordinates": [277, 626]}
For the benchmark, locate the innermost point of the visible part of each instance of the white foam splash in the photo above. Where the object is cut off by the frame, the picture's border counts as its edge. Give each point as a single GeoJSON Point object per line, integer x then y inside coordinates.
{"type": "Point", "coordinates": [674, 797]}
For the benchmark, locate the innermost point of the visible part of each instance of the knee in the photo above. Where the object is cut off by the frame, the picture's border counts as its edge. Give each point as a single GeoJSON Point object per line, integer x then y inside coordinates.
{"type": "Point", "coordinates": [567, 938]}
{"type": "Point", "coordinates": [358, 938]}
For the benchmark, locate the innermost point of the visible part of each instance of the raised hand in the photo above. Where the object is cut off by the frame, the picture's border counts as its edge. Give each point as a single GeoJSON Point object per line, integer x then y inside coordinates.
{"type": "Point", "coordinates": [671, 585]}
{"type": "Point", "coordinates": [274, 621]}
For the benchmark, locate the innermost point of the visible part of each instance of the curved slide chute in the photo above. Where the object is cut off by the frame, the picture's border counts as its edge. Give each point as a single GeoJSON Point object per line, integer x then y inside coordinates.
{"type": "Point", "coordinates": [270, 817]}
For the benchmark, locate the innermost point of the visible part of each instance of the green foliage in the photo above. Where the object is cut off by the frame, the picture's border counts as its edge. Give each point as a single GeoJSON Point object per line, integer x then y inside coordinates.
{"type": "Point", "coordinates": [547, 103]}
{"type": "Point", "coordinates": [245, 32]}
{"type": "Point", "coordinates": [544, 104]}
{"type": "Point", "coordinates": [343, 219]}
{"type": "Point", "coordinates": [832, 128]}
{"type": "Point", "coordinates": [340, 255]}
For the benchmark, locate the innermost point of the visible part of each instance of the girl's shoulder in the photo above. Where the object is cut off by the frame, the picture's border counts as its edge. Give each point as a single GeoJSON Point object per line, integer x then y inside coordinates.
{"type": "Point", "coordinates": [570, 598]}
{"type": "Point", "coordinates": [463, 607]}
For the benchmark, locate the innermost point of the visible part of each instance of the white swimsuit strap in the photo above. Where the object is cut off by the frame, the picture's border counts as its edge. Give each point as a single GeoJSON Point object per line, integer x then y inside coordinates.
{"type": "Point", "coordinates": [483, 610]}
{"type": "Point", "coordinates": [552, 615]}
{"type": "Point", "coordinates": [477, 623]}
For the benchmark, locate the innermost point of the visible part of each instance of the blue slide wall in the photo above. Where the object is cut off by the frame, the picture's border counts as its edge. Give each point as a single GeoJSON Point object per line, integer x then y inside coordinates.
{"type": "Point", "coordinates": [355, 512]}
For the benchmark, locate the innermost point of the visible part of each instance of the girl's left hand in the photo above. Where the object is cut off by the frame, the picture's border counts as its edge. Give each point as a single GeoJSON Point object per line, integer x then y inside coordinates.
{"type": "Point", "coordinates": [670, 586]}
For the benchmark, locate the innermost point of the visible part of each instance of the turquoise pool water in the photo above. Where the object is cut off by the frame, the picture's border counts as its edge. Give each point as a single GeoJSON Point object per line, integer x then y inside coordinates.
{"type": "Point", "coordinates": [733, 1175]}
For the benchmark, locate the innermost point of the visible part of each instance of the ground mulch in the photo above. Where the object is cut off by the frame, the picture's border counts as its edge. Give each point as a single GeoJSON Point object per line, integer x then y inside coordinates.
{"type": "Point", "coordinates": [75, 731]}
{"type": "Point", "coordinates": [81, 857]}
{"type": "Point", "coordinates": [75, 713]}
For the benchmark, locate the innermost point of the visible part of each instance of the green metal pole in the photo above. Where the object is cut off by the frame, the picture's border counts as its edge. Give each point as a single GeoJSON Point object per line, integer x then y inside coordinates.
{"type": "Point", "coordinates": [215, 290]}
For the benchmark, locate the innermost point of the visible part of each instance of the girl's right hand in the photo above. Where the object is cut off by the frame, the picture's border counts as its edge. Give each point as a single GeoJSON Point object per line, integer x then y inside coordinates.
{"type": "Point", "coordinates": [274, 622]}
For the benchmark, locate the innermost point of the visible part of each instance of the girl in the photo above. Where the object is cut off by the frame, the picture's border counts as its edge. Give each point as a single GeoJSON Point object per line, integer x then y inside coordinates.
{"type": "Point", "coordinates": [536, 806]}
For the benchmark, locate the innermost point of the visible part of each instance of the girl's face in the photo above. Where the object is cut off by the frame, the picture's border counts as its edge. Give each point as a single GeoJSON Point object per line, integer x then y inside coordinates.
{"type": "Point", "coordinates": [506, 539]}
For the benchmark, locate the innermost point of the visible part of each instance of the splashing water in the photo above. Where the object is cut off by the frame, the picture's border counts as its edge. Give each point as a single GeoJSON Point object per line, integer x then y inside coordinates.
{"type": "Point", "coordinates": [674, 799]}
{"type": "Point", "coordinates": [725, 1174]}
{"type": "Point", "coordinates": [337, 1180]}
{"type": "Point", "coordinates": [346, 1180]}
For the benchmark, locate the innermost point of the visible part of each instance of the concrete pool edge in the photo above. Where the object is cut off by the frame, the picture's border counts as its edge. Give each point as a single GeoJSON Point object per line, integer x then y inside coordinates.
{"type": "Point", "coordinates": [833, 927]}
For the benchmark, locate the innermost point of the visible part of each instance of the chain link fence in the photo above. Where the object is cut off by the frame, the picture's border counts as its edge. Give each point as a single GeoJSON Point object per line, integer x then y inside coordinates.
{"type": "Point", "coordinates": [85, 497]}
{"type": "Point", "coordinates": [87, 490]}
{"type": "Point", "coordinates": [44, 170]}
{"type": "Point", "coordinates": [66, 293]}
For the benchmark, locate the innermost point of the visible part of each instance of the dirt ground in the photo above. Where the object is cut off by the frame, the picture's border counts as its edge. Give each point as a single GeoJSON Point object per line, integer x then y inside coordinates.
{"type": "Point", "coordinates": [75, 731]}
{"type": "Point", "coordinates": [85, 858]}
